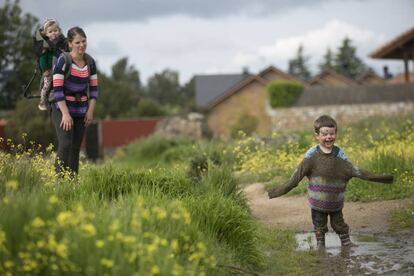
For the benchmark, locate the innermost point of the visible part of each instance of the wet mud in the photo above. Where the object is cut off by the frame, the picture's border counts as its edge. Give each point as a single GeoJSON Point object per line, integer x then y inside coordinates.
{"type": "Point", "coordinates": [371, 254]}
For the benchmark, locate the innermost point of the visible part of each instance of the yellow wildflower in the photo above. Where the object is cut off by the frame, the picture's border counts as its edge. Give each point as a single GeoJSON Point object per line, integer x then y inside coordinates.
{"type": "Point", "coordinates": [53, 199]}
{"type": "Point", "coordinates": [99, 243]}
{"type": "Point", "coordinates": [65, 218]}
{"type": "Point", "coordinates": [114, 226]}
{"type": "Point", "coordinates": [174, 244]}
{"type": "Point", "coordinates": [89, 229]}
{"type": "Point", "coordinates": [155, 270]}
{"type": "Point", "coordinates": [62, 250]}
{"type": "Point", "coordinates": [38, 223]}
{"type": "Point", "coordinates": [107, 263]}
{"type": "Point", "coordinates": [12, 184]}
{"type": "Point", "coordinates": [8, 264]}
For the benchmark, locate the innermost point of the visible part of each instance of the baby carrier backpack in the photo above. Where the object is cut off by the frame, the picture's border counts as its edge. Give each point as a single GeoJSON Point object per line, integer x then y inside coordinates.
{"type": "Point", "coordinates": [41, 44]}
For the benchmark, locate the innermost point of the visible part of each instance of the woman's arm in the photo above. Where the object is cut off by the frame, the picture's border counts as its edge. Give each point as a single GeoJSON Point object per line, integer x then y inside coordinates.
{"type": "Point", "coordinates": [59, 95]}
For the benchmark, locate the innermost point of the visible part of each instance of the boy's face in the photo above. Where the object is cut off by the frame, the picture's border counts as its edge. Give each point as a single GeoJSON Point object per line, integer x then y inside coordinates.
{"type": "Point", "coordinates": [52, 32]}
{"type": "Point", "coordinates": [326, 137]}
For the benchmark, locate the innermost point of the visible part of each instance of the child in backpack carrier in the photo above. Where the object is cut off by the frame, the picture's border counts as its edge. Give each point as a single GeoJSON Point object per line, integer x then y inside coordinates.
{"type": "Point", "coordinates": [54, 43]}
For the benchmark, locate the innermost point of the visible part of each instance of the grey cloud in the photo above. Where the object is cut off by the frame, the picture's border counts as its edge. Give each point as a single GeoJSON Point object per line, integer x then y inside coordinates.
{"type": "Point", "coordinates": [72, 12]}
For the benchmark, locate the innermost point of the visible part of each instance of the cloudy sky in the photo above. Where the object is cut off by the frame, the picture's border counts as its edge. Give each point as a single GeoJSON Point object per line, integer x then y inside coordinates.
{"type": "Point", "coordinates": [223, 36]}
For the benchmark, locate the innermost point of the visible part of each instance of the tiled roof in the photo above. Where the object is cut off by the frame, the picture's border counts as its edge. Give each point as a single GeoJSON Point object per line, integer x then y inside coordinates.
{"type": "Point", "coordinates": [395, 48]}
{"type": "Point", "coordinates": [209, 87]}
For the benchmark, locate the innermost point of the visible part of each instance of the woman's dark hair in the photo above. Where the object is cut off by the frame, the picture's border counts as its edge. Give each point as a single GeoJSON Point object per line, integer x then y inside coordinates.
{"type": "Point", "coordinates": [72, 32]}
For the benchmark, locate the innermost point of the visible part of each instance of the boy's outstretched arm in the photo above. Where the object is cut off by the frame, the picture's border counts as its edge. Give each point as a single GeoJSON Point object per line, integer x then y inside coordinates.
{"type": "Point", "coordinates": [366, 175]}
{"type": "Point", "coordinates": [294, 180]}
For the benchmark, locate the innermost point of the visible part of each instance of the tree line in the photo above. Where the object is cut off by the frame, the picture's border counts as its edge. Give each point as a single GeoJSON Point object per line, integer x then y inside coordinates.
{"type": "Point", "coordinates": [344, 61]}
{"type": "Point", "coordinates": [122, 92]}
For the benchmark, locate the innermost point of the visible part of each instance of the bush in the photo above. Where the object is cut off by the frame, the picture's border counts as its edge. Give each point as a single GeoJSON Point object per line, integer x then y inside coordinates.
{"type": "Point", "coordinates": [283, 93]}
{"type": "Point", "coordinates": [246, 124]}
{"type": "Point", "coordinates": [27, 118]}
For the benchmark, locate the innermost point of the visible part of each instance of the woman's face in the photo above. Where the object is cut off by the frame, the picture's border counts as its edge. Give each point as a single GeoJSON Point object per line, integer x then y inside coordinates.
{"type": "Point", "coordinates": [78, 45]}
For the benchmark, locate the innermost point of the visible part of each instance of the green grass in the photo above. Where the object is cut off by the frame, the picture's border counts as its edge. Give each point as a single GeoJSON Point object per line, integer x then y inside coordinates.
{"type": "Point", "coordinates": [403, 218]}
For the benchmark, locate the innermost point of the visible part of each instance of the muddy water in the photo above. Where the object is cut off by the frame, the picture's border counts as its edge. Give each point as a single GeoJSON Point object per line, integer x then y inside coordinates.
{"type": "Point", "coordinates": [372, 254]}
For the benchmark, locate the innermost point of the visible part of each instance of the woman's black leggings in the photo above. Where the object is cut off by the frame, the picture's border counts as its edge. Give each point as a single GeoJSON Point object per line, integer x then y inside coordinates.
{"type": "Point", "coordinates": [69, 142]}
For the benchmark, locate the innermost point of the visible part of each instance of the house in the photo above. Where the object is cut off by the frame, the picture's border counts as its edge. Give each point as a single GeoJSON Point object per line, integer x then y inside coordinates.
{"type": "Point", "coordinates": [329, 89]}
{"type": "Point", "coordinates": [331, 78]}
{"type": "Point", "coordinates": [399, 48]}
{"type": "Point", "coordinates": [249, 96]}
{"type": "Point", "coordinates": [209, 87]}
{"type": "Point", "coordinates": [400, 78]}
{"type": "Point", "coordinates": [371, 78]}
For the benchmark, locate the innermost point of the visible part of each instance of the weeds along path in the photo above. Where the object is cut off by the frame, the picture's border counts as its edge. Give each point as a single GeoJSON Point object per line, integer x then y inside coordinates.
{"type": "Point", "coordinates": [293, 212]}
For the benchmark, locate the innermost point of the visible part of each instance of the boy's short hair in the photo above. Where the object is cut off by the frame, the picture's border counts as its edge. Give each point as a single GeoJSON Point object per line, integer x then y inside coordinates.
{"type": "Point", "coordinates": [324, 121]}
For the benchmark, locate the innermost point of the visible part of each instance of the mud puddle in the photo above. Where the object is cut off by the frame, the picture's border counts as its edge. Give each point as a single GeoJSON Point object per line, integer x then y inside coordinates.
{"type": "Point", "coordinates": [371, 255]}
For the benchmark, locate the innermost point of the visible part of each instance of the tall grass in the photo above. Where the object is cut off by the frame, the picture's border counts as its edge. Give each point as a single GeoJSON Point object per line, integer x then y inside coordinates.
{"type": "Point", "coordinates": [119, 221]}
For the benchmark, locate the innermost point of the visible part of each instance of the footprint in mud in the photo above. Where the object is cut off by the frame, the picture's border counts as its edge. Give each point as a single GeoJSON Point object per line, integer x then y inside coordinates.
{"type": "Point", "coordinates": [372, 254]}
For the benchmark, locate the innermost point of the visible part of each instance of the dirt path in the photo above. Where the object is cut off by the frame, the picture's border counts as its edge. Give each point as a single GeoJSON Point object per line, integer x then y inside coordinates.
{"type": "Point", "coordinates": [294, 212]}
{"type": "Point", "coordinates": [385, 254]}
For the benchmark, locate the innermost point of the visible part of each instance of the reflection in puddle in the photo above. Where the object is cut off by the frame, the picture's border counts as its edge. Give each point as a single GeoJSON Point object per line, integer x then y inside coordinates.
{"type": "Point", "coordinates": [371, 254]}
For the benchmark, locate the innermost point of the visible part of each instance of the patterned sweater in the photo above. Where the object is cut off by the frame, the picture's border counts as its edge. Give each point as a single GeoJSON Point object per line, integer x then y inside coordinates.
{"type": "Point", "coordinates": [328, 175]}
{"type": "Point", "coordinates": [74, 88]}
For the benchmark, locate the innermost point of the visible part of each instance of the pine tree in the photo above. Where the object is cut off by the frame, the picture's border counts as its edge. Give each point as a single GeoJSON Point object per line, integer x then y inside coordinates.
{"type": "Point", "coordinates": [328, 62]}
{"type": "Point", "coordinates": [298, 66]}
{"type": "Point", "coordinates": [346, 61]}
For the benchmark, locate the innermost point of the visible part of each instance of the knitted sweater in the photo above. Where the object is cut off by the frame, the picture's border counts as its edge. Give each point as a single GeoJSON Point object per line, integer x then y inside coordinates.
{"type": "Point", "coordinates": [74, 88]}
{"type": "Point", "coordinates": [328, 176]}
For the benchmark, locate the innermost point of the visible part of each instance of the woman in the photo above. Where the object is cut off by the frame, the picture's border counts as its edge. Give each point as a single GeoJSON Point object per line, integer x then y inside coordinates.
{"type": "Point", "coordinates": [73, 76]}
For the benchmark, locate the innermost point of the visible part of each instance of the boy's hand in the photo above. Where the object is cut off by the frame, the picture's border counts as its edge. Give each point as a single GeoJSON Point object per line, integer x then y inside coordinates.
{"type": "Point", "coordinates": [388, 179]}
{"type": "Point", "coordinates": [275, 192]}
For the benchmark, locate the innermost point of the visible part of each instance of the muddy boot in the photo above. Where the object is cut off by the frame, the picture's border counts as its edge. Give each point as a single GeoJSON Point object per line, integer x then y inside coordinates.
{"type": "Point", "coordinates": [345, 240]}
{"type": "Point", "coordinates": [320, 239]}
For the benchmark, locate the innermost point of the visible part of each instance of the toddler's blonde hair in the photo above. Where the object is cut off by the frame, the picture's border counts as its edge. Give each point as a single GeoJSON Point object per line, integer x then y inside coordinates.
{"type": "Point", "coordinates": [49, 23]}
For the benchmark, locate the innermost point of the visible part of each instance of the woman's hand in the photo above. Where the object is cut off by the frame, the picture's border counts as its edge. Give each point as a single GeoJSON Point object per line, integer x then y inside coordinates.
{"type": "Point", "coordinates": [88, 117]}
{"type": "Point", "coordinates": [67, 122]}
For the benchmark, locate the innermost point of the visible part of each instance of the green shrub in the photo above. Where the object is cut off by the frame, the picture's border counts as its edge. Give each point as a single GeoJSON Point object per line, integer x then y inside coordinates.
{"type": "Point", "coordinates": [27, 118]}
{"type": "Point", "coordinates": [246, 124]}
{"type": "Point", "coordinates": [283, 93]}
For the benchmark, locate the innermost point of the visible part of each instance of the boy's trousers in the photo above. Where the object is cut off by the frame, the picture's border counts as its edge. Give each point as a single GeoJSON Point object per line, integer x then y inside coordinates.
{"type": "Point", "coordinates": [320, 221]}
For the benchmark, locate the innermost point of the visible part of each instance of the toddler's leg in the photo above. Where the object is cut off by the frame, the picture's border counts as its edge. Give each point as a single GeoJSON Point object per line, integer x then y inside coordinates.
{"type": "Point", "coordinates": [44, 92]}
{"type": "Point", "coordinates": [320, 221]}
{"type": "Point", "coordinates": [341, 228]}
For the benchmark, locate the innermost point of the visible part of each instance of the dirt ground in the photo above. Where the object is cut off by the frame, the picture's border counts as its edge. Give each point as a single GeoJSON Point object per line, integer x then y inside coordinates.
{"type": "Point", "coordinates": [293, 212]}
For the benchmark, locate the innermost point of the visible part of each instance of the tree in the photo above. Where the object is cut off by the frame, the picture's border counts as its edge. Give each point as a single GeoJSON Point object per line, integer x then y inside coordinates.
{"type": "Point", "coordinates": [328, 61]}
{"type": "Point", "coordinates": [119, 93]}
{"type": "Point", "coordinates": [346, 61]}
{"type": "Point", "coordinates": [188, 96]}
{"type": "Point", "coordinates": [16, 55]}
{"type": "Point", "coordinates": [164, 87]}
{"type": "Point", "coordinates": [298, 66]}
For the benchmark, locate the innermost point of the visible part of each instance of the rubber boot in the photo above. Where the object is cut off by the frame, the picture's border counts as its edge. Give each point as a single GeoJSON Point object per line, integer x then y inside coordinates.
{"type": "Point", "coordinates": [345, 240]}
{"type": "Point", "coordinates": [320, 239]}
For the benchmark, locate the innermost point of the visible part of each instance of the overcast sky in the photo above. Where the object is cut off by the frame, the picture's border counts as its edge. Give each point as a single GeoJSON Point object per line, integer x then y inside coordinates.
{"type": "Point", "coordinates": [223, 36]}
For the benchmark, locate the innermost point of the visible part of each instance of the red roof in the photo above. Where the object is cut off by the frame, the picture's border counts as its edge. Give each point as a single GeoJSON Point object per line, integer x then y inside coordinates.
{"type": "Point", "coordinates": [400, 78]}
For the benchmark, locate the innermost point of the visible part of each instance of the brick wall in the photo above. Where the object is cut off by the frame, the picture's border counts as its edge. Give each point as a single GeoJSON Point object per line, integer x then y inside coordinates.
{"type": "Point", "coordinates": [303, 117]}
{"type": "Point", "coordinates": [251, 100]}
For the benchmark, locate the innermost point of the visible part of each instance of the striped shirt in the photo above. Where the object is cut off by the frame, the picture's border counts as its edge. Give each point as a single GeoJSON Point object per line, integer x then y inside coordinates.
{"type": "Point", "coordinates": [74, 89]}
{"type": "Point", "coordinates": [328, 175]}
